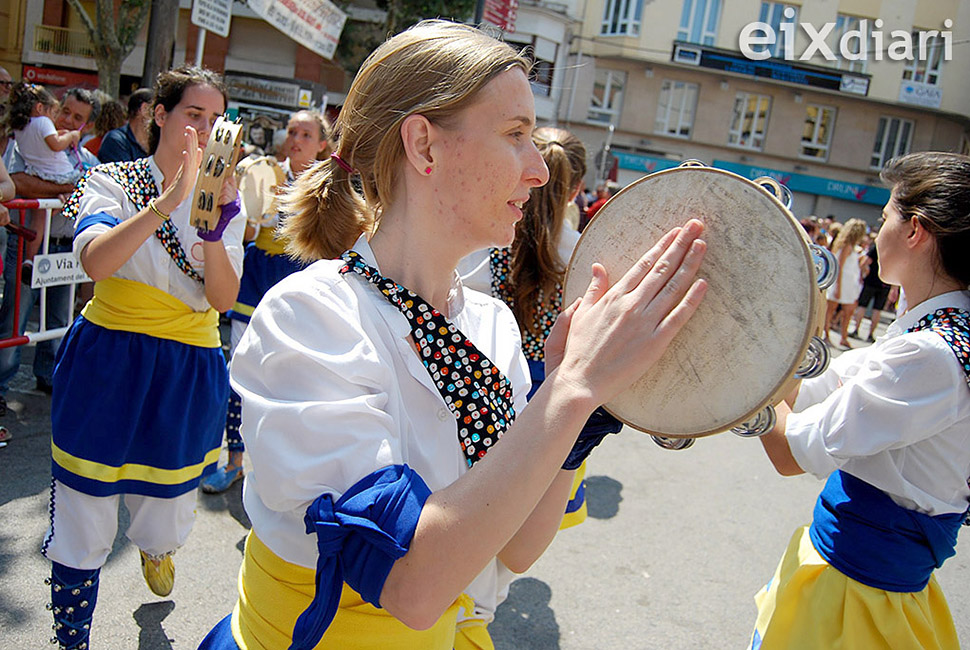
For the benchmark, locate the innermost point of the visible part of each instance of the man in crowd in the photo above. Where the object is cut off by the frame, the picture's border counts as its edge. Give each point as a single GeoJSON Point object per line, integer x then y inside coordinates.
{"type": "Point", "coordinates": [130, 142]}
{"type": "Point", "coordinates": [79, 107]}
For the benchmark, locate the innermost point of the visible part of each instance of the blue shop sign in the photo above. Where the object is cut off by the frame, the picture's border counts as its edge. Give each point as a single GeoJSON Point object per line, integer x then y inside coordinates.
{"type": "Point", "coordinates": [858, 192]}
{"type": "Point", "coordinates": [641, 163]}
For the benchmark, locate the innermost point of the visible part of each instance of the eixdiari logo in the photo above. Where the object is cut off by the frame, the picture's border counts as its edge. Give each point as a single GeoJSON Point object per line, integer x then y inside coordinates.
{"type": "Point", "coordinates": [757, 41]}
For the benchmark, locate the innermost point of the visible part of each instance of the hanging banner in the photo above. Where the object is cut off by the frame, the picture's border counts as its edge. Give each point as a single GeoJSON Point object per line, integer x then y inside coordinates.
{"type": "Point", "coordinates": [314, 24]}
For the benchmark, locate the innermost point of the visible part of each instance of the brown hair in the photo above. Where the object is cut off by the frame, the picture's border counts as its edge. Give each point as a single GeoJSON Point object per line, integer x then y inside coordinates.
{"type": "Point", "coordinates": [536, 269]}
{"type": "Point", "coordinates": [112, 116]}
{"type": "Point", "coordinates": [23, 98]}
{"type": "Point", "coordinates": [934, 187]}
{"type": "Point", "coordinates": [170, 86]}
{"type": "Point", "coordinates": [434, 69]}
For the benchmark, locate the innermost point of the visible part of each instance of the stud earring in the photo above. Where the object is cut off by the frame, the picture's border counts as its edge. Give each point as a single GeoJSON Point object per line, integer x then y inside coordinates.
{"type": "Point", "coordinates": [427, 170]}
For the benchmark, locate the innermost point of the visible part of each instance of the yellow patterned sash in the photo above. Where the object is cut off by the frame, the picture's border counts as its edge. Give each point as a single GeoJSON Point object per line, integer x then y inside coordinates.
{"type": "Point", "coordinates": [137, 307]}
{"type": "Point", "coordinates": [266, 240]}
{"type": "Point", "coordinates": [274, 592]}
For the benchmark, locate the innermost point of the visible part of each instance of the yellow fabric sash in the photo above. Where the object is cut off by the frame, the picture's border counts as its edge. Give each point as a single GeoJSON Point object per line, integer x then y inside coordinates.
{"type": "Point", "coordinates": [137, 307]}
{"type": "Point", "coordinates": [274, 592]}
{"type": "Point", "coordinates": [266, 240]}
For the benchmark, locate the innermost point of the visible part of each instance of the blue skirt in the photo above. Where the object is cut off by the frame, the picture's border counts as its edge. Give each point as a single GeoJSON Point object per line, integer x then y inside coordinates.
{"type": "Point", "coordinates": [261, 271]}
{"type": "Point", "coordinates": [135, 414]}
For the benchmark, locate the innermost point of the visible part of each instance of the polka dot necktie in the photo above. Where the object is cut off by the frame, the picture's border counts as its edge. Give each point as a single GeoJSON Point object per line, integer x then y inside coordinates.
{"type": "Point", "coordinates": [476, 391]}
{"type": "Point", "coordinates": [954, 326]}
{"type": "Point", "coordinates": [135, 178]}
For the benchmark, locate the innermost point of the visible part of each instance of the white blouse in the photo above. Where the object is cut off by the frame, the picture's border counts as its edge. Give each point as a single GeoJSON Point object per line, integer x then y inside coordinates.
{"type": "Point", "coordinates": [333, 390]}
{"type": "Point", "coordinates": [151, 263]}
{"type": "Point", "coordinates": [895, 414]}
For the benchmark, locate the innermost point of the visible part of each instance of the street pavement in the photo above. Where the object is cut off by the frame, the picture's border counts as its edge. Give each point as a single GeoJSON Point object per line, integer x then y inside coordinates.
{"type": "Point", "coordinates": [675, 547]}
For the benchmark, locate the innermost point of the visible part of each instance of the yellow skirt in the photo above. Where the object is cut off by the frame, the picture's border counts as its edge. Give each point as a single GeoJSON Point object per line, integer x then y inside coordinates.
{"type": "Point", "coordinates": [274, 592]}
{"type": "Point", "coordinates": [808, 604]}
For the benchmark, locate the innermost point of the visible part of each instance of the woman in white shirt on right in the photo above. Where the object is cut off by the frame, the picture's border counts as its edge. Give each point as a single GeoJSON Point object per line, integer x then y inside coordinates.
{"type": "Point", "coordinates": [889, 425]}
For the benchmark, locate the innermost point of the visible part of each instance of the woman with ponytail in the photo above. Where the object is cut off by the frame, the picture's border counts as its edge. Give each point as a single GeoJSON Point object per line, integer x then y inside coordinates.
{"type": "Point", "coordinates": [398, 475]}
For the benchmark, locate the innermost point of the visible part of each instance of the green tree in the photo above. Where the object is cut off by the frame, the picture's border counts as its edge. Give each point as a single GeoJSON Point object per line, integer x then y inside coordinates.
{"type": "Point", "coordinates": [112, 35]}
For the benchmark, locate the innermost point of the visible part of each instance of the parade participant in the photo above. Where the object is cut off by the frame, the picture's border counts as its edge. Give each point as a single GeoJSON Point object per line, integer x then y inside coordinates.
{"type": "Point", "coordinates": [380, 456]}
{"type": "Point", "coordinates": [848, 285]}
{"type": "Point", "coordinates": [889, 425]}
{"type": "Point", "coordinates": [265, 264]}
{"type": "Point", "coordinates": [140, 383]}
{"type": "Point", "coordinates": [528, 277]}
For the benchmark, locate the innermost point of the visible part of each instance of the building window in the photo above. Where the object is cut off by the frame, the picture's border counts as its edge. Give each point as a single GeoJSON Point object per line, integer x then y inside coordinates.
{"type": "Point", "coordinates": [773, 13]}
{"type": "Point", "coordinates": [607, 98]}
{"type": "Point", "coordinates": [925, 66]}
{"type": "Point", "coordinates": [817, 132]}
{"type": "Point", "coordinates": [621, 17]}
{"type": "Point", "coordinates": [893, 138]}
{"type": "Point", "coordinates": [843, 24]}
{"type": "Point", "coordinates": [750, 121]}
{"type": "Point", "coordinates": [542, 52]}
{"type": "Point", "coordinates": [676, 108]}
{"type": "Point", "coordinates": [698, 21]}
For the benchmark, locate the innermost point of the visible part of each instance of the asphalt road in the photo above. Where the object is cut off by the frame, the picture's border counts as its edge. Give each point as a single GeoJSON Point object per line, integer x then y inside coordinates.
{"type": "Point", "coordinates": [676, 545]}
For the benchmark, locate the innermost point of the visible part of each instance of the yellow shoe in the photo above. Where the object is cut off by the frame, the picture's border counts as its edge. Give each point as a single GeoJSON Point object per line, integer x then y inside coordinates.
{"type": "Point", "coordinates": [159, 574]}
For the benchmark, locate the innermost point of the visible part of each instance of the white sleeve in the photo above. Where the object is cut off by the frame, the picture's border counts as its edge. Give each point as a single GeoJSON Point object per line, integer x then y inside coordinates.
{"type": "Point", "coordinates": [44, 127]}
{"type": "Point", "coordinates": [907, 391]}
{"type": "Point", "coordinates": [101, 194]}
{"type": "Point", "coordinates": [312, 383]}
{"type": "Point", "coordinates": [814, 390]}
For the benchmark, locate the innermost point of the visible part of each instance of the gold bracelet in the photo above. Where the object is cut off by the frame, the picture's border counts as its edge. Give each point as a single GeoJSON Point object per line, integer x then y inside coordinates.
{"type": "Point", "coordinates": [154, 208]}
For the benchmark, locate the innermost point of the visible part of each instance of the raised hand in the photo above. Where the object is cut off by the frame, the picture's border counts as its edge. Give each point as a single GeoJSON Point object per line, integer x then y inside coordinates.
{"type": "Point", "coordinates": [181, 186]}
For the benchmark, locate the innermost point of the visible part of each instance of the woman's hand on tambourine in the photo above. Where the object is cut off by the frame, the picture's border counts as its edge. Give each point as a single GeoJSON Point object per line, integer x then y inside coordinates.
{"type": "Point", "coordinates": [615, 334]}
{"type": "Point", "coordinates": [181, 186]}
{"type": "Point", "coordinates": [230, 190]}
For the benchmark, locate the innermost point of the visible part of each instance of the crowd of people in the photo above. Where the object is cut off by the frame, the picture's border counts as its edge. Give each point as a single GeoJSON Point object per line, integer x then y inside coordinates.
{"type": "Point", "coordinates": [396, 312]}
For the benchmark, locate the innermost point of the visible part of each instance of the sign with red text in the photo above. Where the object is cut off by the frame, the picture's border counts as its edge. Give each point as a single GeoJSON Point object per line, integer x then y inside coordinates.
{"type": "Point", "coordinates": [501, 13]}
{"type": "Point", "coordinates": [314, 24]}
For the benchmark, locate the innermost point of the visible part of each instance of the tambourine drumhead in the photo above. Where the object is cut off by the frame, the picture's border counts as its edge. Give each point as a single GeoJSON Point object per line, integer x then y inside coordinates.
{"type": "Point", "coordinates": [259, 179]}
{"type": "Point", "coordinates": [752, 329]}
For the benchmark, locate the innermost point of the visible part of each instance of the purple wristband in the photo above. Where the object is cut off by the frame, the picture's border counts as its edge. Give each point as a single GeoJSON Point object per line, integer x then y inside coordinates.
{"type": "Point", "coordinates": [227, 213]}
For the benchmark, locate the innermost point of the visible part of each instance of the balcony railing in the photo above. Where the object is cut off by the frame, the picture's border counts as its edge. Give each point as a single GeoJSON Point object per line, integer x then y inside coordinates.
{"type": "Point", "coordinates": [63, 41]}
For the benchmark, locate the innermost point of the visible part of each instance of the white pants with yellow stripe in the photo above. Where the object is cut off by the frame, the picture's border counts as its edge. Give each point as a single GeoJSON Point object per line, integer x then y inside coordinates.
{"type": "Point", "coordinates": [83, 527]}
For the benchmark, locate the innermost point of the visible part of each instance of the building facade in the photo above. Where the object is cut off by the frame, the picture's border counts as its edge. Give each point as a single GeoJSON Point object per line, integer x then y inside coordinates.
{"type": "Point", "coordinates": [819, 102]}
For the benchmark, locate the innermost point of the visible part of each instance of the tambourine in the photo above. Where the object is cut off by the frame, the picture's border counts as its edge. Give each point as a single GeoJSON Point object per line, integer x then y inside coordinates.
{"type": "Point", "coordinates": [259, 179]}
{"type": "Point", "coordinates": [757, 330]}
{"type": "Point", "coordinates": [218, 161]}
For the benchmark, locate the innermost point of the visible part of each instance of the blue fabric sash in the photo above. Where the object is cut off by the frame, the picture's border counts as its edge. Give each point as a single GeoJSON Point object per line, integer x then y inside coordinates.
{"type": "Point", "coordinates": [89, 220]}
{"type": "Point", "coordinates": [864, 534]}
{"type": "Point", "coordinates": [359, 538]}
